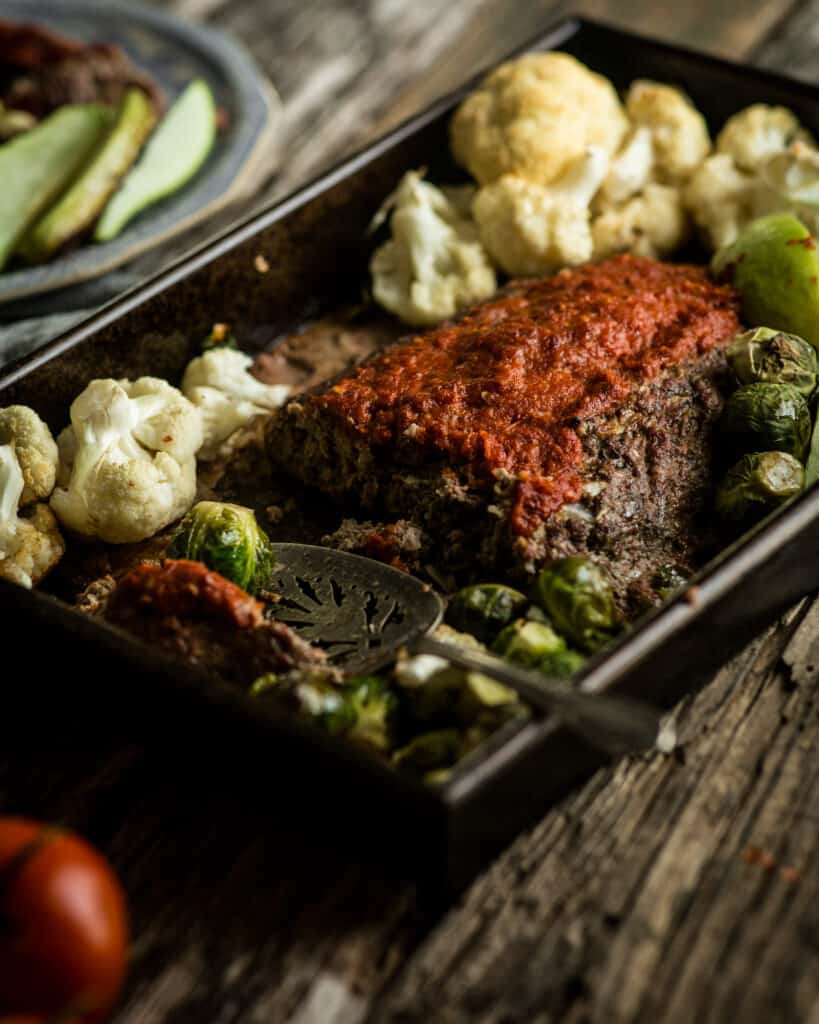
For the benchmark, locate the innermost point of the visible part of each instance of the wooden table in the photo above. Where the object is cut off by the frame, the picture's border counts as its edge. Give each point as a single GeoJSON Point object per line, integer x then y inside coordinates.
{"type": "Point", "coordinates": [675, 888]}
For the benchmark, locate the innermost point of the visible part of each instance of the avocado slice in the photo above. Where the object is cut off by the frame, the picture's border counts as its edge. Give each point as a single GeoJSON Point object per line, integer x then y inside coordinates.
{"type": "Point", "coordinates": [80, 205]}
{"type": "Point", "coordinates": [37, 166]}
{"type": "Point", "coordinates": [174, 153]}
{"type": "Point", "coordinates": [774, 265]}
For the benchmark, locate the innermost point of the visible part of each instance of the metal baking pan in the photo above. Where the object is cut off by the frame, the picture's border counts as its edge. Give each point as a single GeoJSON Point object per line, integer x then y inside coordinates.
{"type": "Point", "coordinates": [315, 247]}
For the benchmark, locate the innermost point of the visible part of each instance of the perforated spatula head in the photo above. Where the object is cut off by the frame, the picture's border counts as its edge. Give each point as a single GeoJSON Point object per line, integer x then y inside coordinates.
{"type": "Point", "coordinates": [358, 610]}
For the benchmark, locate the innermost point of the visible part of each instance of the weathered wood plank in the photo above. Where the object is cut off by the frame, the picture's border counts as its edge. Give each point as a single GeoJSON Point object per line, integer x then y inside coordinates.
{"type": "Point", "coordinates": [670, 888]}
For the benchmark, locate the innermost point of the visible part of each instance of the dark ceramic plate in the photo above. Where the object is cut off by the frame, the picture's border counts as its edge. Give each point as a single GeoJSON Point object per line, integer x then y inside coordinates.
{"type": "Point", "coordinates": [173, 52]}
{"type": "Point", "coordinates": [304, 257]}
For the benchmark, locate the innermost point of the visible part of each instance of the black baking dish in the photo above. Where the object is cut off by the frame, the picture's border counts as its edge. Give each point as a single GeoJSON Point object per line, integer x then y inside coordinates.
{"type": "Point", "coordinates": [315, 247]}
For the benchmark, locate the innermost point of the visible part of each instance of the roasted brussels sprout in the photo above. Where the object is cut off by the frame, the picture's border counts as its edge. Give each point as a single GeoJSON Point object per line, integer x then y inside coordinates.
{"type": "Point", "coordinates": [452, 696]}
{"type": "Point", "coordinates": [374, 707]}
{"type": "Point", "coordinates": [766, 418]}
{"type": "Point", "coordinates": [525, 642]}
{"type": "Point", "coordinates": [227, 539]}
{"type": "Point", "coordinates": [812, 464]}
{"type": "Point", "coordinates": [758, 483]}
{"type": "Point", "coordinates": [316, 694]}
{"type": "Point", "coordinates": [363, 708]}
{"type": "Point", "coordinates": [765, 356]}
{"type": "Point", "coordinates": [562, 664]}
{"type": "Point", "coordinates": [484, 609]}
{"type": "Point", "coordinates": [431, 751]}
{"type": "Point", "coordinates": [576, 596]}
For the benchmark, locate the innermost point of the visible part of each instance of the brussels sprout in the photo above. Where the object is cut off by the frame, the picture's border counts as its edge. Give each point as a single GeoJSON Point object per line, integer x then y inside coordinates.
{"type": "Point", "coordinates": [374, 708]}
{"type": "Point", "coordinates": [228, 540]}
{"type": "Point", "coordinates": [315, 693]}
{"type": "Point", "coordinates": [526, 642]}
{"type": "Point", "coordinates": [758, 483]}
{"type": "Point", "coordinates": [429, 752]}
{"type": "Point", "coordinates": [561, 664]}
{"type": "Point", "coordinates": [812, 465]}
{"type": "Point", "coordinates": [484, 609]}
{"type": "Point", "coordinates": [452, 696]}
{"type": "Point", "coordinates": [766, 418]}
{"type": "Point", "coordinates": [363, 708]}
{"type": "Point", "coordinates": [765, 356]}
{"type": "Point", "coordinates": [577, 597]}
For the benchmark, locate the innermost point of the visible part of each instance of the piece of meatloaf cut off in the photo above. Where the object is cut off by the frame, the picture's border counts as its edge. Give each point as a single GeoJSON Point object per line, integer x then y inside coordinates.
{"type": "Point", "coordinates": [568, 415]}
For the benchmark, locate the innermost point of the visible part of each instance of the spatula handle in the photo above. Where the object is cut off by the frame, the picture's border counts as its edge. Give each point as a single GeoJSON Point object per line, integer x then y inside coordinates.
{"type": "Point", "coordinates": [612, 724]}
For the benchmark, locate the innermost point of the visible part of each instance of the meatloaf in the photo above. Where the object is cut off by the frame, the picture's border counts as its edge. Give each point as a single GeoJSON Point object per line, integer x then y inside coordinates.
{"type": "Point", "coordinates": [569, 414]}
{"type": "Point", "coordinates": [188, 611]}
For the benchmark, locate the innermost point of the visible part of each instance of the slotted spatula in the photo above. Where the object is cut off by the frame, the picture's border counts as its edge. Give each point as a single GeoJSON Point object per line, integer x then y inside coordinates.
{"type": "Point", "coordinates": [361, 612]}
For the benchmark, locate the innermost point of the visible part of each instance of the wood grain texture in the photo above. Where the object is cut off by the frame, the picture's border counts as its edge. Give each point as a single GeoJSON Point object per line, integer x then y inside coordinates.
{"type": "Point", "coordinates": [668, 889]}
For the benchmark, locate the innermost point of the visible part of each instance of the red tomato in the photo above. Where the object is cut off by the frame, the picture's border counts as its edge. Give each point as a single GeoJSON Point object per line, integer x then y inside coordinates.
{"type": "Point", "coordinates": [63, 925]}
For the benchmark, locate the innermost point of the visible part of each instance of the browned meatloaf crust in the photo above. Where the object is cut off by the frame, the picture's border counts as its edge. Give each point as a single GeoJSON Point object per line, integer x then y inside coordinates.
{"type": "Point", "coordinates": [190, 612]}
{"type": "Point", "coordinates": [570, 414]}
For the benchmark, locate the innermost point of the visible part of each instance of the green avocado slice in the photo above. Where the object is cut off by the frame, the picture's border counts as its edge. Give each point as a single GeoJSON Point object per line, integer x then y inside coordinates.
{"type": "Point", "coordinates": [774, 265]}
{"type": "Point", "coordinates": [35, 167]}
{"type": "Point", "coordinates": [174, 153]}
{"type": "Point", "coordinates": [80, 206]}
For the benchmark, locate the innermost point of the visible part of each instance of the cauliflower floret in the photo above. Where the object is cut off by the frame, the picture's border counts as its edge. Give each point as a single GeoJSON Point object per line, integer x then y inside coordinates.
{"type": "Point", "coordinates": [765, 163]}
{"type": "Point", "coordinates": [759, 132]}
{"type": "Point", "coordinates": [630, 171]}
{"type": "Point", "coordinates": [720, 197]}
{"type": "Point", "coordinates": [30, 545]}
{"type": "Point", "coordinates": [789, 181]}
{"type": "Point", "coordinates": [434, 265]}
{"type": "Point", "coordinates": [128, 460]}
{"type": "Point", "coordinates": [532, 229]}
{"type": "Point", "coordinates": [651, 224]}
{"type": "Point", "coordinates": [35, 448]}
{"type": "Point", "coordinates": [679, 133]}
{"type": "Point", "coordinates": [221, 386]}
{"type": "Point", "coordinates": [534, 116]}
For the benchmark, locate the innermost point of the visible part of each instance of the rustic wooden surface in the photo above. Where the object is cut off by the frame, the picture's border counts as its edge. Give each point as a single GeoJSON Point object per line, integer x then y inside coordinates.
{"type": "Point", "coordinates": [668, 889]}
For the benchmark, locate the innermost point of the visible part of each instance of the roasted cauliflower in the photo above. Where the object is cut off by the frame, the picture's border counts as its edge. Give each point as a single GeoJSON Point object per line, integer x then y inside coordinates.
{"type": "Point", "coordinates": [759, 132]}
{"type": "Point", "coordinates": [765, 163]}
{"type": "Point", "coordinates": [434, 265]}
{"type": "Point", "coordinates": [128, 460]}
{"type": "Point", "coordinates": [532, 229]}
{"type": "Point", "coordinates": [630, 170]}
{"type": "Point", "coordinates": [30, 543]}
{"type": "Point", "coordinates": [679, 134]}
{"type": "Point", "coordinates": [653, 224]}
{"type": "Point", "coordinates": [35, 448]}
{"type": "Point", "coordinates": [533, 117]}
{"type": "Point", "coordinates": [789, 182]}
{"type": "Point", "coordinates": [221, 386]}
{"type": "Point", "coordinates": [639, 207]}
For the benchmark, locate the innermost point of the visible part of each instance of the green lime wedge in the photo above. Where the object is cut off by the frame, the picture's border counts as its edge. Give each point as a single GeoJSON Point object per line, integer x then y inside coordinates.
{"type": "Point", "coordinates": [173, 154]}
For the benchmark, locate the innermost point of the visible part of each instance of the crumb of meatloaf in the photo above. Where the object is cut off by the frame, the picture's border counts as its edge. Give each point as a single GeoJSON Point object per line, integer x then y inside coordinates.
{"type": "Point", "coordinates": [397, 544]}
